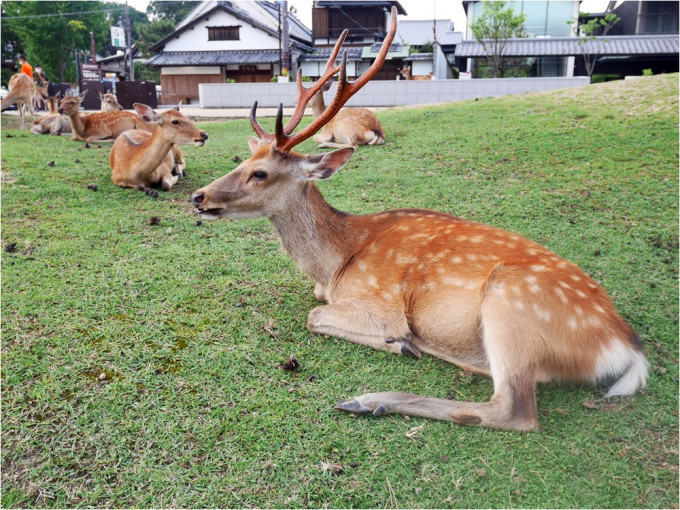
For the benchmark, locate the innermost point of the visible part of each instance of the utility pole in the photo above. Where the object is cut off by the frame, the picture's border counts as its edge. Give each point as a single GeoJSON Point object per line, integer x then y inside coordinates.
{"type": "Point", "coordinates": [128, 48]}
{"type": "Point", "coordinates": [286, 40]}
{"type": "Point", "coordinates": [94, 54]}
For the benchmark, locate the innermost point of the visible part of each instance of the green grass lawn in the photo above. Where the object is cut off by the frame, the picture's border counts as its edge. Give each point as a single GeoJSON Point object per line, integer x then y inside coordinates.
{"type": "Point", "coordinates": [142, 348]}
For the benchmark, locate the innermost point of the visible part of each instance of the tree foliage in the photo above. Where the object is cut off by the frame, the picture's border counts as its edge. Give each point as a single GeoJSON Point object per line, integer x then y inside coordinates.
{"type": "Point", "coordinates": [588, 31]}
{"type": "Point", "coordinates": [152, 32]}
{"type": "Point", "coordinates": [492, 29]}
{"type": "Point", "coordinates": [49, 32]}
{"type": "Point", "coordinates": [172, 10]}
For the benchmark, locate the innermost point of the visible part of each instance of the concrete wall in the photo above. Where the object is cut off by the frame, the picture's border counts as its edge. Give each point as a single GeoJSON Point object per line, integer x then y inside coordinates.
{"type": "Point", "coordinates": [380, 93]}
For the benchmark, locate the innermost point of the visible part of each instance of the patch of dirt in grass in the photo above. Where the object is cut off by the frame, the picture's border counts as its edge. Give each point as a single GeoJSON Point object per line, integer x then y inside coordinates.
{"type": "Point", "coordinates": [7, 178]}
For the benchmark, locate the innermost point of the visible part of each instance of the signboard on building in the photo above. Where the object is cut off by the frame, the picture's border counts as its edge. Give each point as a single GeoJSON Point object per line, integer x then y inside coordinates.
{"type": "Point", "coordinates": [90, 72]}
{"type": "Point", "coordinates": [118, 37]}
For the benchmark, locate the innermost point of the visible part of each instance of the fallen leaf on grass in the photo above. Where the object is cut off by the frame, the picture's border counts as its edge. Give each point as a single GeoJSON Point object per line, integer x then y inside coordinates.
{"type": "Point", "coordinates": [413, 433]}
{"type": "Point", "coordinates": [335, 469]}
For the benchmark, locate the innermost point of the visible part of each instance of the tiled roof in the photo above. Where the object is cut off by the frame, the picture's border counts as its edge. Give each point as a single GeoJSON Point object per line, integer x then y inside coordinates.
{"type": "Point", "coordinates": [567, 46]}
{"type": "Point", "coordinates": [214, 58]}
{"type": "Point", "coordinates": [322, 54]}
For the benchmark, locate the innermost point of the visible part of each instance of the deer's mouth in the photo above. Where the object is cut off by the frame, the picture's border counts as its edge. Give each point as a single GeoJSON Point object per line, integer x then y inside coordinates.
{"type": "Point", "coordinates": [199, 143]}
{"type": "Point", "coordinates": [210, 214]}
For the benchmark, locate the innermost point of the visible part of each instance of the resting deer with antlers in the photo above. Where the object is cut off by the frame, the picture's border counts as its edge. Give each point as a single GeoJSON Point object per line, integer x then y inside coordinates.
{"type": "Point", "coordinates": [109, 102]}
{"type": "Point", "coordinates": [410, 281]}
{"type": "Point", "coordinates": [22, 92]}
{"type": "Point", "coordinates": [350, 126]}
{"type": "Point", "coordinates": [406, 73]}
{"type": "Point", "coordinates": [53, 123]}
{"type": "Point", "coordinates": [142, 160]}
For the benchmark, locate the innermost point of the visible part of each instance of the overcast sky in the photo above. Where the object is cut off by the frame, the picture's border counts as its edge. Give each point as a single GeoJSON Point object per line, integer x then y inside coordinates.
{"type": "Point", "coordinates": [415, 9]}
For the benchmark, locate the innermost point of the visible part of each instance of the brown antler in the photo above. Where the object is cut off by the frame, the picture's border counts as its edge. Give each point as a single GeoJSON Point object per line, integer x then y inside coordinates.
{"type": "Point", "coordinates": [282, 137]}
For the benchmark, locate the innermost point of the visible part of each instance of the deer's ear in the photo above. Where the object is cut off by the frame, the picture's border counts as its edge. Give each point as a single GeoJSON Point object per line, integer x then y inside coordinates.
{"type": "Point", "coordinates": [323, 166]}
{"type": "Point", "coordinates": [145, 112]}
{"type": "Point", "coordinates": [253, 144]}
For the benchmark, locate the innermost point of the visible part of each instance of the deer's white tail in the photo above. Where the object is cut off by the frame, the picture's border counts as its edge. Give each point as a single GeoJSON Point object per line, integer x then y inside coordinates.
{"type": "Point", "coordinates": [633, 379]}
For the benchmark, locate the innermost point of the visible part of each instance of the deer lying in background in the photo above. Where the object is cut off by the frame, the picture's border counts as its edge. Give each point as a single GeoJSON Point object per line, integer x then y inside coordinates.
{"type": "Point", "coordinates": [109, 102]}
{"type": "Point", "coordinates": [99, 126]}
{"type": "Point", "coordinates": [22, 93]}
{"type": "Point", "coordinates": [142, 160]}
{"type": "Point", "coordinates": [351, 126]}
{"type": "Point", "coordinates": [410, 281]}
{"type": "Point", "coordinates": [406, 73]}
{"type": "Point", "coordinates": [53, 123]}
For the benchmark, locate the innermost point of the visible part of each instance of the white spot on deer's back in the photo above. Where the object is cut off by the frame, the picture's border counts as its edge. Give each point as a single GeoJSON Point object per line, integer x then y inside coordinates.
{"type": "Point", "coordinates": [542, 313]}
{"type": "Point", "coordinates": [454, 280]}
{"type": "Point", "coordinates": [561, 295]}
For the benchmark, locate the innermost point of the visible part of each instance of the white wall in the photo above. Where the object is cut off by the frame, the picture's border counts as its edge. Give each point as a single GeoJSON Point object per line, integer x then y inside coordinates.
{"type": "Point", "coordinates": [421, 67]}
{"type": "Point", "coordinates": [196, 39]}
{"type": "Point", "coordinates": [380, 93]}
{"type": "Point", "coordinates": [316, 68]}
{"type": "Point", "coordinates": [191, 70]}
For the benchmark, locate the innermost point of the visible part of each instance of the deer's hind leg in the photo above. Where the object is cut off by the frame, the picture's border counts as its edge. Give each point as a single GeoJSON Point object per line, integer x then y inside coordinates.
{"type": "Point", "coordinates": [513, 405]}
{"type": "Point", "coordinates": [359, 322]}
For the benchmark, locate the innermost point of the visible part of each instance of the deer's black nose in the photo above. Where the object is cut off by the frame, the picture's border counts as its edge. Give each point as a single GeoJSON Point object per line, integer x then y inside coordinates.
{"type": "Point", "coordinates": [198, 198]}
{"type": "Point", "coordinates": [204, 135]}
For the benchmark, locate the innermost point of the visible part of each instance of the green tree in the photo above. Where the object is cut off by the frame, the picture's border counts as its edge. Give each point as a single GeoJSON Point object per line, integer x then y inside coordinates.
{"type": "Point", "coordinates": [588, 31]}
{"type": "Point", "coordinates": [152, 32]}
{"type": "Point", "coordinates": [492, 29]}
{"type": "Point", "coordinates": [11, 47]}
{"type": "Point", "coordinates": [172, 10]}
{"type": "Point", "coordinates": [51, 31]}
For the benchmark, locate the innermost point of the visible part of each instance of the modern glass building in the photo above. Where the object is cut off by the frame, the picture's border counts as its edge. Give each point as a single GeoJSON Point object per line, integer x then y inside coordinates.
{"type": "Point", "coordinates": [544, 19]}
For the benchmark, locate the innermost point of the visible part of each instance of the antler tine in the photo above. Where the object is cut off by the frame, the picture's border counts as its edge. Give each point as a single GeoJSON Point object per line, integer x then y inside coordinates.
{"type": "Point", "coordinates": [305, 94]}
{"type": "Point", "coordinates": [256, 125]}
{"type": "Point", "coordinates": [345, 90]}
{"type": "Point", "coordinates": [279, 133]}
{"type": "Point", "coordinates": [380, 58]}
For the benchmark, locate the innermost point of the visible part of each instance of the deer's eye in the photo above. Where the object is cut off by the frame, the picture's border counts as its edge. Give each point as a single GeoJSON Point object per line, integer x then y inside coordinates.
{"type": "Point", "coordinates": [175, 122]}
{"type": "Point", "coordinates": [259, 175]}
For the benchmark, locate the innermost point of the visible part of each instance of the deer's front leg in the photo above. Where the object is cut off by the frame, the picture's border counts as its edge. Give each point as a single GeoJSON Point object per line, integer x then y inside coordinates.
{"type": "Point", "coordinates": [180, 165]}
{"type": "Point", "coordinates": [354, 321]}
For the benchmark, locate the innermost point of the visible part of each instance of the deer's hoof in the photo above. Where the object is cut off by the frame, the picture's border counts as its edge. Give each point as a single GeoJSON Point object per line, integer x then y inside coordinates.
{"type": "Point", "coordinates": [353, 406]}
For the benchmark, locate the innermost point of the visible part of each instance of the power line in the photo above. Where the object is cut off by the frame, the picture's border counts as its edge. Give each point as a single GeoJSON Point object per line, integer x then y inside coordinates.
{"type": "Point", "coordinates": [4, 18]}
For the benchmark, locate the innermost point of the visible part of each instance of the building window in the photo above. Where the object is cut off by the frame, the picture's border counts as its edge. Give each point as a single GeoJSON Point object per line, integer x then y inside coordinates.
{"type": "Point", "coordinates": [223, 33]}
{"type": "Point", "coordinates": [659, 18]}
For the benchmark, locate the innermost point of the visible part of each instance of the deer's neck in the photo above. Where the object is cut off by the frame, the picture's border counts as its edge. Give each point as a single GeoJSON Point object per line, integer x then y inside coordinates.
{"type": "Point", "coordinates": [318, 237]}
{"type": "Point", "coordinates": [152, 152]}
{"type": "Point", "coordinates": [317, 103]}
{"type": "Point", "coordinates": [78, 123]}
